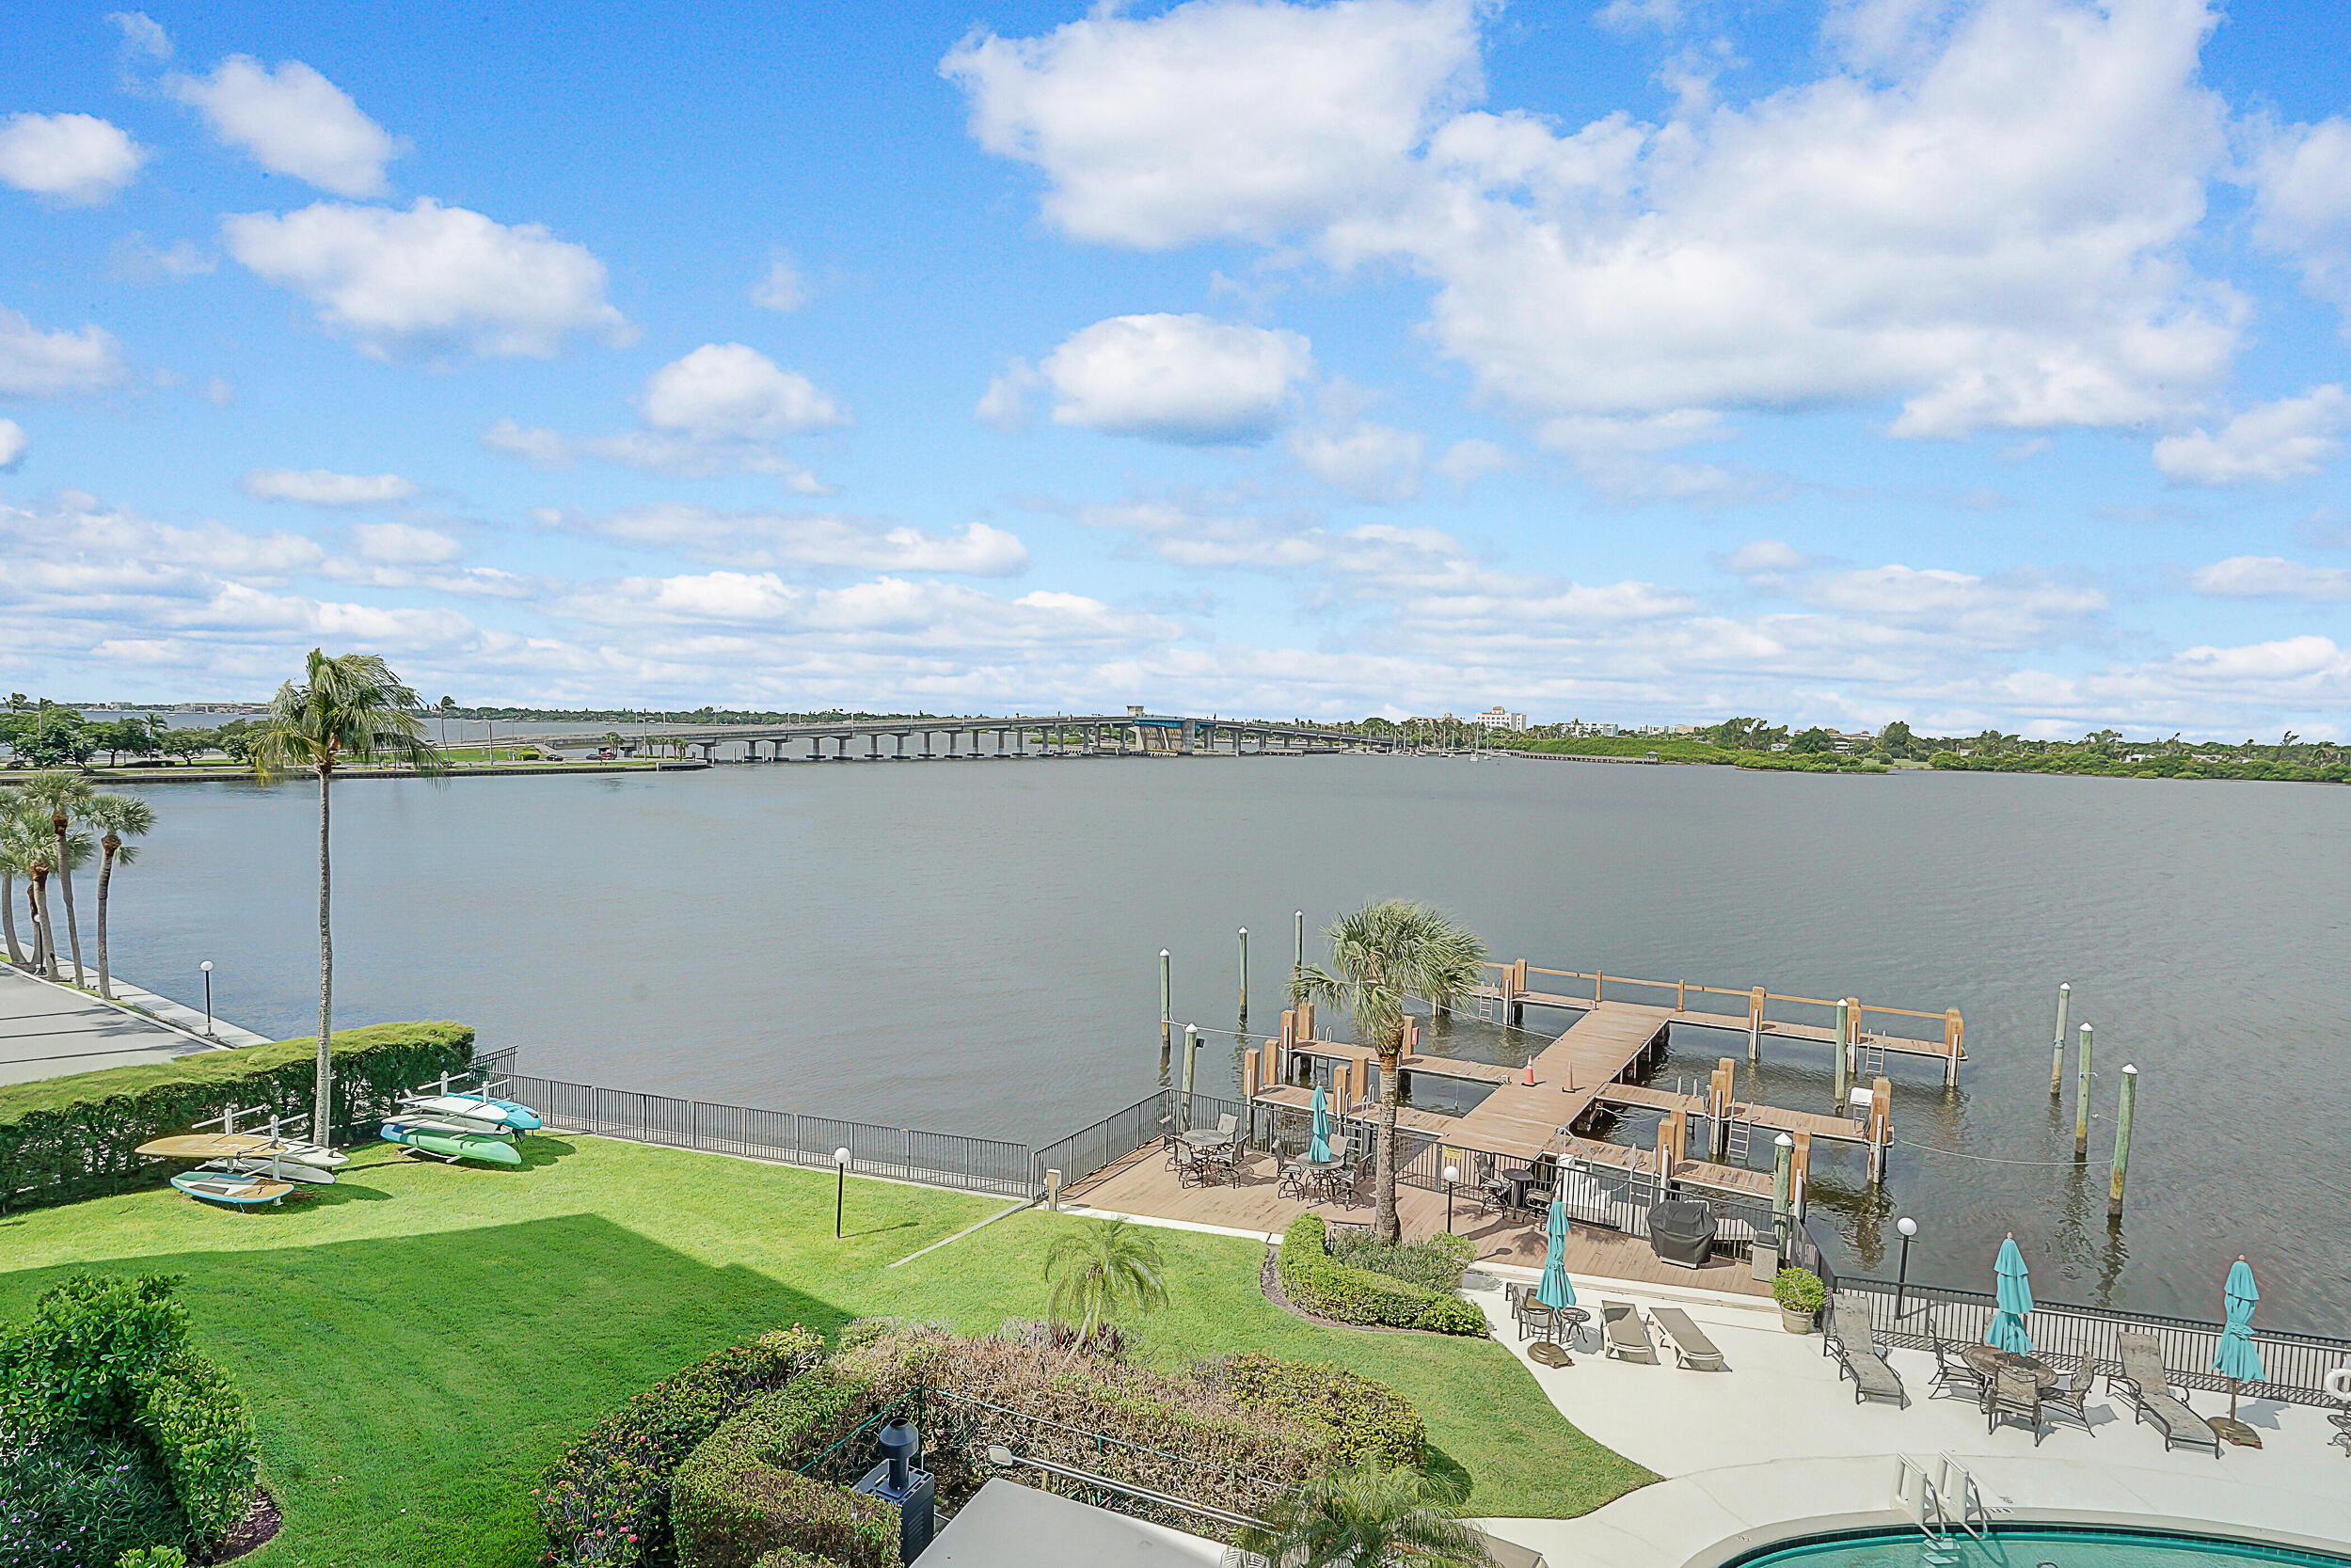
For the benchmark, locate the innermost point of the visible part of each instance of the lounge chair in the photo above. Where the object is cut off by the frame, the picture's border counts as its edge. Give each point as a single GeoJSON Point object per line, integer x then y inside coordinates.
{"type": "Point", "coordinates": [1624, 1334]}
{"type": "Point", "coordinates": [1953, 1375]}
{"type": "Point", "coordinates": [2148, 1388]}
{"type": "Point", "coordinates": [1847, 1338]}
{"type": "Point", "coordinates": [2070, 1398]}
{"type": "Point", "coordinates": [2015, 1394]}
{"type": "Point", "coordinates": [1693, 1350]}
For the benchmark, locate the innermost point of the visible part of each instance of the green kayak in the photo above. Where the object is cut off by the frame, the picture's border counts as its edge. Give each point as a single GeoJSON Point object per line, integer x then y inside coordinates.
{"type": "Point", "coordinates": [453, 1143]}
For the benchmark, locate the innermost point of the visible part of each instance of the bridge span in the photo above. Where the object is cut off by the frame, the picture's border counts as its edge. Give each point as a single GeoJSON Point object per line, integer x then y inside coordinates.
{"type": "Point", "coordinates": [1130, 734]}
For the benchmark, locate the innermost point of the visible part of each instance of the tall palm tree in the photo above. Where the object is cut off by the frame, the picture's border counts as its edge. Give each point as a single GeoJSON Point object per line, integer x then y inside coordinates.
{"type": "Point", "coordinates": [446, 707]}
{"type": "Point", "coordinates": [42, 858]}
{"type": "Point", "coordinates": [1380, 955]}
{"type": "Point", "coordinates": [17, 841]}
{"type": "Point", "coordinates": [348, 708]}
{"type": "Point", "coordinates": [1101, 1270]}
{"type": "Point", "coordinates": [64, 794]}
{"type": "Point", "coordinates": [117, 818]}
{"type": "Point", "coordinates": [1368, 1518]}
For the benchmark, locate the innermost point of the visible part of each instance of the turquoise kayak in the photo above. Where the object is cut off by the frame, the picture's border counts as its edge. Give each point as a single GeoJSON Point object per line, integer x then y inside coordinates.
{"type": "Point", "coordinates": [452, 1142]}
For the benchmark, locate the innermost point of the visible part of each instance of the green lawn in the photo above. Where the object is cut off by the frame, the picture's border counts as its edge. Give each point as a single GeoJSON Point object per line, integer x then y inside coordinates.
{"type": "Point", "coordinates": [419, 1339]}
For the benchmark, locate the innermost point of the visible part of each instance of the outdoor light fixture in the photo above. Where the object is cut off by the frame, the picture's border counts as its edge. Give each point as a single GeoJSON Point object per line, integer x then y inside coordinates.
{"type": "Point", "coordinates": [840, 1188]}
{"type": "Point", "coordinates": [1453, 1174]}
{"type": "Point", "coordinates": [207, 967]}
{"type": "Point", "coordinates": [1907, 1227]}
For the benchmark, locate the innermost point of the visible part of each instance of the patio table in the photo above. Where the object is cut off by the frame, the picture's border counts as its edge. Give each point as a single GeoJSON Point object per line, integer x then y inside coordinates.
{"type": "Point", "coordinates": [1520, 1177]}
{"type": "Point", "coordinates": [1990, 1363]}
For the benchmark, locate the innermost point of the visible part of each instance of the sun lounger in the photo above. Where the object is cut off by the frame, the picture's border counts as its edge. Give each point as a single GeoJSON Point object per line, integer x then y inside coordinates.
{"type": "Point", "coordinates": [2149, 1386]}
{"type": "Point", "coordinates": [1847, 1338]}
{"type": "Point", "coordinates": [1692, 1349]}
{"type": "Point", "coordinates": [1626, 1336]}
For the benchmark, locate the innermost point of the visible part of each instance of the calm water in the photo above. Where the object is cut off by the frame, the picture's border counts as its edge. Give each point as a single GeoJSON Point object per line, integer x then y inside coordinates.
{"type": "Point", "coordinates": [972, 948]}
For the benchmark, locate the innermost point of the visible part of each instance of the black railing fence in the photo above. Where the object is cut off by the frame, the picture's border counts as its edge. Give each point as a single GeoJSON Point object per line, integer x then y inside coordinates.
{"type": "Point", "coordinates": [2297, 1365]}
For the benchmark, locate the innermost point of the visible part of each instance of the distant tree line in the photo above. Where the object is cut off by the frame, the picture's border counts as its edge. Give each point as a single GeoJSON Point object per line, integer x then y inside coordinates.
{"type": "Point", "coordinates": [42, 734]}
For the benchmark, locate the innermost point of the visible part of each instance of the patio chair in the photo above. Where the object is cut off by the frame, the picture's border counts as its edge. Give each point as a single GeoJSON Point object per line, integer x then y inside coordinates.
{"type": "Point", "coordinates": [1290, 1183]}
{"type": "Point", "coordinates": [1493, 1196]}
{"type": "Point", "coordinates": [1848, 1339]}
{"type": "Point", "coordinates": [1954, 1376]}
{"type": "Point", "coordinates": [1173, 1145]}
{"type": "Point", "coordinates": [1623, 1334]}
{"type": "Point", "coordinates": [2147, 1386]}
{"type": "Point", "coordinates": [1192, 1168]}
{"type": "Point", "coordinates": [1693, 1350]}
{"type": "Point", "coordinates": [2071, 1398]}
{"type": "Point", "coordinates": [1535, 1319]}
{"type": "Point", "coordinates": [1229, 1126]}
{"type": "Point", "coordinates": [2015, 1395]}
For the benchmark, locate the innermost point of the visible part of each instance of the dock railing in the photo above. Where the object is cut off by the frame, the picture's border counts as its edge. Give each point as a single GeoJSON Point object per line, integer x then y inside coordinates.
{"type": "Point", "coordinates": [2296, 1364]}
{"type": "Point", "coordinates": [1518, 979]}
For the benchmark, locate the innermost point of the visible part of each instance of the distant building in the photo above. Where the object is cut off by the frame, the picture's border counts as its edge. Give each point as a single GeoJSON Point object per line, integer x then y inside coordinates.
{"type": "Point", "coordinates": [1855, 740]}
{"type": "Point", "coordinates": [1495, 719]}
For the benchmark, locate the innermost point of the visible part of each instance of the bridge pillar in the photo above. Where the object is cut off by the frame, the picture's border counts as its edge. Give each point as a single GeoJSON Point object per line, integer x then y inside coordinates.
{"type": "Point", "coordinates": [1185, 744]}
{"type": "Point", "coordinates": [873, 748]}
{"type": "Point", "coordinates": [901, 745]}
{"type": "Point", "coordinates": [925, 745]}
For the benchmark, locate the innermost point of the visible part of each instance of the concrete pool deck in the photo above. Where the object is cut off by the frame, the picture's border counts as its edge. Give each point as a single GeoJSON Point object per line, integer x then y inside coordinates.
{"type": "Point", "coordinates": [50, 1030]}
{"type": "Point", "coordinates": [1775, 1448]}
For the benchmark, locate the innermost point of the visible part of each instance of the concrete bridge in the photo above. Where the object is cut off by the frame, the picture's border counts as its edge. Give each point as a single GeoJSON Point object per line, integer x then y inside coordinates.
{"type": "Point", "coordinates": [1130, 734]}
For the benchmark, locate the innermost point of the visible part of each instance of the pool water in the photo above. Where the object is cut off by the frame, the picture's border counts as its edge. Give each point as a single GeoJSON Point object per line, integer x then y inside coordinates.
{"type": "Point", "coordinates": [2049, 1547]}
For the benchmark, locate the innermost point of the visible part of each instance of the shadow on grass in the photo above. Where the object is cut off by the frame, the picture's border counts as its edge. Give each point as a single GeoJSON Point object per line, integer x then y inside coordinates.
{"type": "Point", "coordinates": [409, 1390]}
{"type": "Point", "coordinates": [881, 1229]}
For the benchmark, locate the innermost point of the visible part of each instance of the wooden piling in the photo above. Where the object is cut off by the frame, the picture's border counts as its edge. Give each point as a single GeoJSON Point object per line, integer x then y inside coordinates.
{"type": "Point", "coordinates": [2081, 1101]}
{"type": "Point", "coordinates": [1783, 1187]}
{"type": "Point", "coordinates": [1191, 1055]}
{"type": "Point", "coordinates": [1244, 976]}
{"type": "Point", "coordinates": [1754, 1024]}
{"type": "Point", "coordinates": [2121, 1140]}
{"type": "Point", "coordinates": [1297, 961]}
{"type": "Point", "coordinates": [2056, 1056]}
{"type": "Point", "coordinates": [1844, 1054]}
{"type": "Point", "coordinates": [1167, 1010]}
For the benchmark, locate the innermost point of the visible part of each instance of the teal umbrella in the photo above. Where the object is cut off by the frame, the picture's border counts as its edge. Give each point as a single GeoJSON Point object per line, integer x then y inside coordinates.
{"type": "Point", "coordinates": [1319, 1151]}
{"type": "Point", "coordinates": [2014, 1293]}
{"type": "Point", "coordinates": [2239, 1359]}
{"type": "Point", "coordinates": [1556, 1289]}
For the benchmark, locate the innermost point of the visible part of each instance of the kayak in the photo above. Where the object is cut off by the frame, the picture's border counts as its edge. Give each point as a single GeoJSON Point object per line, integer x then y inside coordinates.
{"type": "Point", "coordinates": [505, 1114]}
{"type": "Point", "coordinates": [452, 1141]}
{"type": "Point", "coordinates": [223, 1146]}
{"type": "Point", "coordinates": [284, 1169]}
{"type": "Point", "coordinates": [242, 1192]}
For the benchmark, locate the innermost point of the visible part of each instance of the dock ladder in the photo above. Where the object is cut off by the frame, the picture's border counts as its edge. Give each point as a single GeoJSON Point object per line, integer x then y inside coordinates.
{"type": "Point", "coordinates": [1870, 1055]}
{"type": "Point", "coordinates": [1739, 1135]}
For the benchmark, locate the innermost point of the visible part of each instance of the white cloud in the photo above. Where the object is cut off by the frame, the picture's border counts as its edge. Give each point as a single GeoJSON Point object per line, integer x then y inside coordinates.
{"type": "Point", "coordinates": [1765, 557]}
{"type": "Point", "coordinates": [293, 121]}
{"type": "Point", "coordinates": [404, 544]}
{"type": "Point", "coordinates": [1361, 460]}
{"type": "Point", "coordinates": [1468, 461]}
{"type": "Point", "coordinates": [1985, 225]}
{"type": "Point", "coordinates": [142, 35]}
{"type": "Point", "coordinates": [432, 275]}
{"type": "Point", "coordinates": [1618, 455]}
{"type": "Point", "coordinates": [2287, 439]}
{"type": "Point", "coordinates": [532, 443]}
{"type": "Point", "coordinates": [2302, 205]}
{"type": "Point", "coordinates": [13, 444]}
{"type": "Point", "coordinates": [1218, 119]}
{"type": "Point", "coordinates": [38, 364]}
{"type": "Point", "coordinates": [753, 540]}
{"type": "Point", "coordinates": [2010, 610]}
{"type": "Point", "coordinates": [1177, 378]}
{"type": "Point", "coordinates": [1005, 404]}
{"type": "Point", "coordinates": [324, 487]}
{"type": "Point", "coordinates": [781, 288]}
{"type": "Point", "coordinates": [2270, 576]}
{"type": "Point", "coordinates": [137, 262]}
{"type": "Point", "coordinates": [75, 158]}
{"type": "Point", "coordinates": [727, 392]}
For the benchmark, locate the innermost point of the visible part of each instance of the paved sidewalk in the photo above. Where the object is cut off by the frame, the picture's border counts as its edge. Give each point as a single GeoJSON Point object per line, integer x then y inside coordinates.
{"type": "Point", "coordinates": [49, 1031]}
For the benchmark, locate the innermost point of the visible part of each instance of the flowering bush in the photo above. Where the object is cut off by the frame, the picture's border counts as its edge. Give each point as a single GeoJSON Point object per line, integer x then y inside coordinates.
{"type": "Point", "coordinates": [606, 1503]}
{"type": "Point", "coordinates": [78, 1502]}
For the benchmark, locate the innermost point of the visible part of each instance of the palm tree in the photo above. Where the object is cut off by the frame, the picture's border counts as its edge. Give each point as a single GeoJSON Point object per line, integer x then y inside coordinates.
{"type": "Point", "coordinates": [1380, 955]}
{"type": "Point", "coordinates": [1101, 1270]}
{"type": "Point", "coordinates": [117, 818]}
{"type": "Point", "coordinates": [65, 792]}
{"type": "Point", "coordinates": [446, 707]}
{"type": "Point", "coordinates": [18, 839]}
{"type": "Point", "coordinates": [1368, 1518]}
{"type": "Point", "coordinates": [353, 708]}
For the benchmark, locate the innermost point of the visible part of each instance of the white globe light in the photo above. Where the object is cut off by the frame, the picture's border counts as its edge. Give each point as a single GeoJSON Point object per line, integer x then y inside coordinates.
{"type": "Point", "coordinates": [1907, 1226]}
{"type": "Point", "coordinates": [1453, 1173]}
{"type": "Point", "coordinates": [840, 1156]}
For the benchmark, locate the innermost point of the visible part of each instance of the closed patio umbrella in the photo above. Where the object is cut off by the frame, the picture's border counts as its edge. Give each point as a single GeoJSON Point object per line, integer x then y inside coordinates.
{"type": "Point", "coordinates": [2239, 1359]}
{"type": "Point", "coordinates": [2014, 1294]}
{"type": "Point", "coordinates": [1555, 1290]}
{"type": "Point", "coordinates": [1319, 1151]}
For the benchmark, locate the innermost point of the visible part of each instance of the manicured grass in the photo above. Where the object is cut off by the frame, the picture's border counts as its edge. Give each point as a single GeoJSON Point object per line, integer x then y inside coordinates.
{"type": "Point", "coordinates": [420, 1340]}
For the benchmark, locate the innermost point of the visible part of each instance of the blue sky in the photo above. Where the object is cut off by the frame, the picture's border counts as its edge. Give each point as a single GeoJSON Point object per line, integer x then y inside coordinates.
{"type": "Point", "coordinates": [1973, 364]}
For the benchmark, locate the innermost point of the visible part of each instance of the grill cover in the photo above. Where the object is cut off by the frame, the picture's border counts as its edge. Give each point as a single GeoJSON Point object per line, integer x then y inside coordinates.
{"type": "Point", "coordinates": [1681, 1234]}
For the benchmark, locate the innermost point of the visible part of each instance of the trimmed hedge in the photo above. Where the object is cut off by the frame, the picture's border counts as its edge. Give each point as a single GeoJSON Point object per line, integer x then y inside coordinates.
{"type": "Point", "coordinates": [1320, 1284]}
{"type": "Point", "coordinates": [1369, 1423]}
{"type": "Point", "coordinates": [1435, 1265]}
{"type": "Point", "coordinates": [200, 1426]}
{"type": "Point", "coordinates": [607, 1500]}
{"type": "Point", "coordinates": [73, 1137]}
{"type": "Point", "coordinates": [736, 1496]}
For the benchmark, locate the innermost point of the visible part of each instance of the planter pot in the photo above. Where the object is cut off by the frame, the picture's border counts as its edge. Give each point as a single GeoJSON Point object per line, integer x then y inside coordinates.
{"type": "Point", "coordinates": [1795, 1322]}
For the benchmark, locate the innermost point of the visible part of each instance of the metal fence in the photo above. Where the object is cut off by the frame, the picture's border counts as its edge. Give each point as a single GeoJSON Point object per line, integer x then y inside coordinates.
{"type": "Point", "coordinates": [786, 1137]}
{"type": "Point", "coordinates": [2296, 1364]}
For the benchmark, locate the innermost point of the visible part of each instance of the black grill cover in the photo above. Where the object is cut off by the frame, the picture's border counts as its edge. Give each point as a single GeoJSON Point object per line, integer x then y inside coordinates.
{"type": "Point", "coordinates": [1681, 1234]}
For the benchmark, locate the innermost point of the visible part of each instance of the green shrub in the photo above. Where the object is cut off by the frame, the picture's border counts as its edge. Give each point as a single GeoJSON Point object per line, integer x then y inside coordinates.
{"type": "Point", "coordinates": [1799, 1290]}
{"type": "Point", "coordinates": [199, 1427]}
{"type": "Point", "coordinates": [727, 1504]}
{"type": "Point", "coordinates": [80, 1501]}
{"type": "Point", "coordinates": [1435, 1265]}
{"type": "Point", "coordinates": [784, 1557]}
{"type": "Point", "coordinates": [153, 1557]}
{"type": "Point", "coordinates": [73, 1137]}
{"type": "Point", "coordinates": [1323, 1285]}
{"type": "Point", "coordinates": [607, 1500]}
{"type": "Point", "coordinates": [778, 1509]}
{"type": "Point", "coordinates": [1368, 1422]}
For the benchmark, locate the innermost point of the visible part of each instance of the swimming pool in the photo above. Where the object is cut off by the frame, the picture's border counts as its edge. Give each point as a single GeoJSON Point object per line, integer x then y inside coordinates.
{"type": "Point", "coordinates": [2031, 1546]}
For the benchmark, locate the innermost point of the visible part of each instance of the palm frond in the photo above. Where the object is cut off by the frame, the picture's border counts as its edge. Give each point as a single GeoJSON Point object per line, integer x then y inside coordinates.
{"type": "Point", "coordinates": [348, 708]}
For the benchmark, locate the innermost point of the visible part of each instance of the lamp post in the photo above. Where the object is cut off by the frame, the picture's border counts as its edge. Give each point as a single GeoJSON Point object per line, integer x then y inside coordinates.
{"type": "Point", "coordinates": [840, 1188]}
{"type": "Point", "coordinates": [207, 967]}
{"type": "Point", "coordinates": [1453, 1174]}
{"type": "Point", "coordinates": [1908, 1228]}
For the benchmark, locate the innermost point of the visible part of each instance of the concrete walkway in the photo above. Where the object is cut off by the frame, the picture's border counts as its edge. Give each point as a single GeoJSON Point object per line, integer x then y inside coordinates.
{"type": "Point", "coordinates": [1751, 1453]}
{"type": "Point", "coordinates": [51, 1030]}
